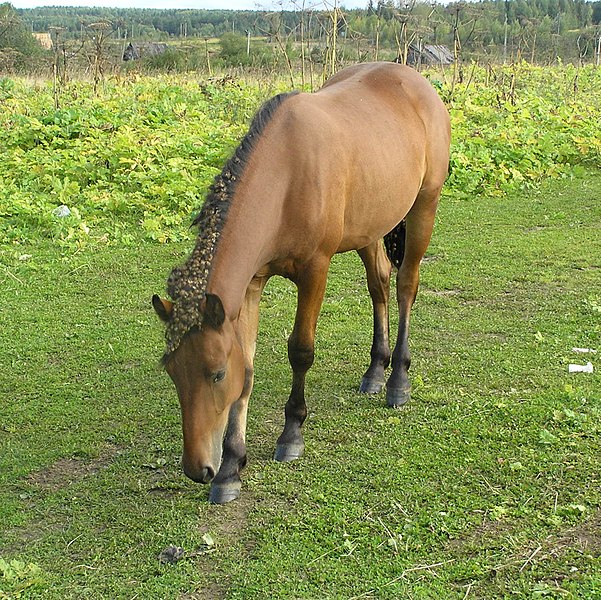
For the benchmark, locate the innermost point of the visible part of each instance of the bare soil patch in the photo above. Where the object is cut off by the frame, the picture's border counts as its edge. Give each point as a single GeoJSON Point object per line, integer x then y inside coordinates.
{"type": "Point", "coordinates": [225, 524]}
{"type": "Point", "coordinates": [585, 538]}
{"type": "Point", "coordinates": [488, 533]}
{"type": "Point", "coordinates": [67, 471]}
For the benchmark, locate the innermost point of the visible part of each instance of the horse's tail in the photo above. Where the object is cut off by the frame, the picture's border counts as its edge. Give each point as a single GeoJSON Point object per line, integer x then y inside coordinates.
{"type": "Point", "coordinates": [394, 243]}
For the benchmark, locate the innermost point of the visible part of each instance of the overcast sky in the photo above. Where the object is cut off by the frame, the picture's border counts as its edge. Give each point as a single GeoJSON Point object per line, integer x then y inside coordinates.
{"type": "Point", "coordinates": [223, 4]}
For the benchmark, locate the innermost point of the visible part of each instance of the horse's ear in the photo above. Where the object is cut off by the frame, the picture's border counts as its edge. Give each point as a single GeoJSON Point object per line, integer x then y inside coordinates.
{"type": "Point", "coordinates": [162, 307]}
{"type": "Point", "coordinates": [214, 312]}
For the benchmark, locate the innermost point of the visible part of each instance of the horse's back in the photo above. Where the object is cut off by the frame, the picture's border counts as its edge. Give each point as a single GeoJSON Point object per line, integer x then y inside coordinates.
{"type": "Point", "coordinates": [354, 156]}
{"type": "Point", "coordinates": [388, 137]}
{"type": "Point", "coordinates": [384, 78]}
{"type": "Point", "coordinates": [395, 95]}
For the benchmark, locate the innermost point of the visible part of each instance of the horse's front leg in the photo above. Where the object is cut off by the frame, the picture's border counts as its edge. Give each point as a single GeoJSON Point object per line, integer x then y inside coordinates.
{"type": "Point", "coordinates": [227, 483]}
{"type": "Point", "coordinates": [311, 288]}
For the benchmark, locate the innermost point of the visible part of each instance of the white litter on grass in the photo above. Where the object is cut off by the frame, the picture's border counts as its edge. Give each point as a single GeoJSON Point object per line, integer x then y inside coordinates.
{"type": "Point", "coordinates": [588, 368]}
{"type": "Point", "coordinates": [61, 211]}
{"type": "Point", "coordinates": [584, 350]}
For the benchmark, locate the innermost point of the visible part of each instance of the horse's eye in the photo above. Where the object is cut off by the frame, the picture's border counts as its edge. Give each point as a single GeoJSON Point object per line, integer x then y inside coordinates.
{"type": "Point", "coordinates": [219, 376]}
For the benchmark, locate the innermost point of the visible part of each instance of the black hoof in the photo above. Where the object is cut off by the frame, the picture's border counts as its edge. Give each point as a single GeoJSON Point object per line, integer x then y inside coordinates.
{"type": "Point", "coordinates": [288, 452]}
{"type": "Point", "coordinates": [225, 492]}
{"type": "Point", "coordinates": [371, 386]}
{"type": "Point", "coordinates": [396, 397]}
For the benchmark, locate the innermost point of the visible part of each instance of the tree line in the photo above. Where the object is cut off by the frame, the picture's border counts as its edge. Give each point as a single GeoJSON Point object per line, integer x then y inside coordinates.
{"type": "Point", "coordinates": [539, 31]}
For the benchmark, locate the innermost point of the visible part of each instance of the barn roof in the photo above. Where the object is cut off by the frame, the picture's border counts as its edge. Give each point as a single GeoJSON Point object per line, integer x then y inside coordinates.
{"type": "Point", "coordinates": [439, 53]}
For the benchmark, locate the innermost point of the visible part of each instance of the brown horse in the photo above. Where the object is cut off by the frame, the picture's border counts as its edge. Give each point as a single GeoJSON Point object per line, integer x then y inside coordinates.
{"type": "Point", "coordinates": [363, 158]}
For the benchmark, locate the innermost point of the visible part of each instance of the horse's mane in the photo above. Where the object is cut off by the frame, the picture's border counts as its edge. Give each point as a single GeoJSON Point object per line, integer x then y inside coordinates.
{"type": "Point", "coordinates": [224, 185]}
{"type": "Point", "coordinates": [187, 284]}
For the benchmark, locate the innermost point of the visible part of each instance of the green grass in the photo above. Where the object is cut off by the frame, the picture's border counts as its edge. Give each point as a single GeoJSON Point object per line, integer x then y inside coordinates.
{"type": "Point", "coordinates": [487, 485]}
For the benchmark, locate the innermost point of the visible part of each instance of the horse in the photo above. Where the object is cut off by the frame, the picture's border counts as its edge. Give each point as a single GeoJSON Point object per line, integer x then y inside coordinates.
{"type": "Point", "coordinates": [360, 160]}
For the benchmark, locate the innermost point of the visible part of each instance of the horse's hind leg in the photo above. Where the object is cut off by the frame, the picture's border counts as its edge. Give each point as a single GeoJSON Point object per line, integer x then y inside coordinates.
{"type": "Point", "coordinates": [419, 224]}
{"type": "Point", "coordinates": [377, 267]}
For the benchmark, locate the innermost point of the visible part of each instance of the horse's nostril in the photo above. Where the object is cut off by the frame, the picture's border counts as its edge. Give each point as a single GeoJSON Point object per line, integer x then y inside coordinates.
{"type": "Point", "coordinates": [207, 474]}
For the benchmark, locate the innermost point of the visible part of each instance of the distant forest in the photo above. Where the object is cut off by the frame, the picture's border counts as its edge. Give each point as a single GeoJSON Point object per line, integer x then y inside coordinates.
{"type": "Point", "coordinates": [540, 31]}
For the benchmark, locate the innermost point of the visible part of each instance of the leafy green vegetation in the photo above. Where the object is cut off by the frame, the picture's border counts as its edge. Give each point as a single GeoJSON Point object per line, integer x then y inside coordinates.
{"type": "Point", "coordinates": [113, 158]}
{"type": "Point", "coordinates": [17, 576]}
{"type": "Point", "coordinates": [513, 127]}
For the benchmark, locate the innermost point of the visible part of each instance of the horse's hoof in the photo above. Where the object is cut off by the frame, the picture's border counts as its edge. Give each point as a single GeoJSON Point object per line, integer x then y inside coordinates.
{"type": "Point", "coordinates": [288, 452]}
{"type": "Point", "coordinates": [371, 386]}
{"type": "Point", "coordinates": [396, 397]}
{"type": "Point", "coordinates": [225, 492]}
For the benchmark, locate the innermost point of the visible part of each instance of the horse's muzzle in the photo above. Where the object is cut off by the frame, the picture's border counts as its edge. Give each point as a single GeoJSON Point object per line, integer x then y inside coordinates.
{"type": "Point", "coordinates": [204, 475]}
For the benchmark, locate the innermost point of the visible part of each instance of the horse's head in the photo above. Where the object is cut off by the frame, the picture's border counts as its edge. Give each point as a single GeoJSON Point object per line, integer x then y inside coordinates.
{"type": "Point", "coordinates": [208, 371]}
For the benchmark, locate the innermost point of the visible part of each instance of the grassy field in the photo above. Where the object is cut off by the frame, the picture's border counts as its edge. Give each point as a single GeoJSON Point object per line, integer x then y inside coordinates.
{"type": "Point", "coordinates": [487, 485]}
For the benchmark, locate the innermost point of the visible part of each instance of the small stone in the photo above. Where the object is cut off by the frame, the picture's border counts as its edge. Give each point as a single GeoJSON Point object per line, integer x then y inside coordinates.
{"type": "Point", "coordinates": [172, 555]}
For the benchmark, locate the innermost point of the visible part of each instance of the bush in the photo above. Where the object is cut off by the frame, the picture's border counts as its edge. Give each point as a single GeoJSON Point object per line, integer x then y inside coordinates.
{"type": "Point", "coordinates": [170, 61]}
{"type": "Point", "coordinates": [18, 48]}
{"type": "Point", "coordinates": [233, 50]}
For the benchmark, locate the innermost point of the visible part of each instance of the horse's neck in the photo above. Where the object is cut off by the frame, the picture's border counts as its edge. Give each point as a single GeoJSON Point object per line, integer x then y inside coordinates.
{"type": "Point", "coordinates": [243, 249]}
{"type": "Point", "coordinates": [250, 233]}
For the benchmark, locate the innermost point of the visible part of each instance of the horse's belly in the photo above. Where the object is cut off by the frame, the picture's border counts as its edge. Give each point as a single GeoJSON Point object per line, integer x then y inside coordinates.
{"type": "Point", "coordinates": [372, 212]}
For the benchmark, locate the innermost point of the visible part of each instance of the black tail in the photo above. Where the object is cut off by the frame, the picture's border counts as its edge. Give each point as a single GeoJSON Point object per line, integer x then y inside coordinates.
{"type": "Point", "coordinates": [395, 244]}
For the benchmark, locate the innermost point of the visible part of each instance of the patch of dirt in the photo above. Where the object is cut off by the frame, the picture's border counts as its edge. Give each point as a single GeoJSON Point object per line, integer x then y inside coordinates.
{"type": "Point", "coordinates": [166, 483]}
{"type": "Point", "coordinates": [484, 534]}
{"type": "Point", "coordinates": [30, 534]}
{"type": "Point", "coordinates": [212, 592]}
{"type": "Point", "coordinates": [67, 471]}
{"type": "Point", "coordinates": [61, 474]}
{"type": "Point", "coordinates": [231, 518]}
{"type": "Point", "coordinates": [585, 538]}
{"type": "Point", "coordinates": [226, 524]}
